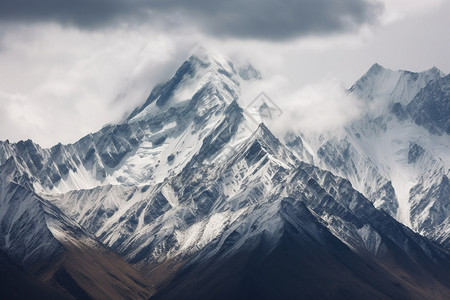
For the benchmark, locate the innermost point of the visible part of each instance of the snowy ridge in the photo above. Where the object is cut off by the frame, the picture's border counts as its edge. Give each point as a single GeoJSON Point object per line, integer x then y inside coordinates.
{"type": "Point", "coordinates": [241, 197]}
{"type": "Point", "coordinates": [34, 230]}
{"type": "Point", "coordinates": [400, 86]}
{"type": "Point", "coordinates": [158, 139]}
{"type": "Point", "coordinates": [25, 234]}
{"type": "Point", "coordinates": [201, 69]}
{"type": "Point", "coordinates": [386, 154]}
{"type": "Point", "coordinates": [48, 245]}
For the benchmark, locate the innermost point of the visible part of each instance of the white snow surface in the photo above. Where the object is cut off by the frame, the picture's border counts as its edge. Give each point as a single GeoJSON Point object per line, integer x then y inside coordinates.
{"type": "Point", "coordinates": [379, 142]}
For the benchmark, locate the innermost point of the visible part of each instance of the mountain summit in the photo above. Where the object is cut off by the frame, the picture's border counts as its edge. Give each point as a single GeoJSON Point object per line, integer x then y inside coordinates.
{"type": "Point", "coordinates": [396, 86]}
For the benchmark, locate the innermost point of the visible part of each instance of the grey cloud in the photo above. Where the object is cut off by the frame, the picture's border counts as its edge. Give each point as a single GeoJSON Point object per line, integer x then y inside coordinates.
{"type": "Point", "coordinates": [258, 19]}
{"type": "Point", "coordinates": [81, 13]}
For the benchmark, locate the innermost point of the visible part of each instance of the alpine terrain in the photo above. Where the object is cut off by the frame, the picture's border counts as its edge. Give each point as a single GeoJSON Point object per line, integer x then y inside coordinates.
{"type": "Point", "coordinates": [189, 198]}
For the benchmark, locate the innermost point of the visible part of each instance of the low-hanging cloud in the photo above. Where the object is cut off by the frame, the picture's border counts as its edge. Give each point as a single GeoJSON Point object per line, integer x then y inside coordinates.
{"type": "Point", "coordinates": [255, 19]}
{"type": "Point", "coordinates": [79, 81]}
{"type": "Point", "coordinates": [318, 108]}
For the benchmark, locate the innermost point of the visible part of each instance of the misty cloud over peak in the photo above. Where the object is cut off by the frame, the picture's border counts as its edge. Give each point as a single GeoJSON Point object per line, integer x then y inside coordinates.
{"type": "Point", "coordinates": [254, 19]}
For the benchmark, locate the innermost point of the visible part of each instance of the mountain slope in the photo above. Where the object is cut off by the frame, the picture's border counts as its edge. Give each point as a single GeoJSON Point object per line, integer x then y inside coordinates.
{"type": "Point", "coordinates": [301, 264]}
{"type": "Point", "coordinates": [17, 283]}
{"type": "Point", "coordinates": [323, 218]}
{"type": "Point", "coordinates": [38, 238]}
{"type": "Point", "coordinates": [430, 108]}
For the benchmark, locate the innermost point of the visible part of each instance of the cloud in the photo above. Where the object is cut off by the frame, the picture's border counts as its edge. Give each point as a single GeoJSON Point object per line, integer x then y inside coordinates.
{"type": "Point", "coordinates": [318, 108]}
{"type": "Point", "coordinates": [396, 10]}
{"type": "Point", "coordinates": [58, 84]}
{"type": "Point", "coordinates": [82, 13]}
{"type": "Point", "coordinates": [254, 19]}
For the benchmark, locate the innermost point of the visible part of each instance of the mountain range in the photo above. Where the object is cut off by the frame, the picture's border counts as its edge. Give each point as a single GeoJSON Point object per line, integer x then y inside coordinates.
{"type": "Point", "coordinates": [189, 198]}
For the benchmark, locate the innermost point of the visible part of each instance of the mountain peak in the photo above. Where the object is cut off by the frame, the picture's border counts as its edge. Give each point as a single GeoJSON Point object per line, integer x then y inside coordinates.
{"type": "Point", "coordinates": [246, 71]}
{"type": "Point", "coordinates": [206, 57]}
{"type": "Point", "coordinates": [202, 68]}
{"type": "Point", "coordinates": [376, 68]}
{"type": "Point", "coordinates": [435, 71]}
{"type": "Point", "coordinates": [200, 52]}
{"type": "Point", "coordinates": [392, 86]}
{"type": "Point", "coordinates": [263, 135]}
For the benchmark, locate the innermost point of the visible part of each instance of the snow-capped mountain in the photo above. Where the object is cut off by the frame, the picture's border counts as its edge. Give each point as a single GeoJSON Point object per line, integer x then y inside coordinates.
{"type": "Point", "coordinates": [156, 140]}
{"type": "Point", "coordinates": [43, 244]}
{"type": "Point", "coordinates": [25, 230]}
{"type": "Point", "coordinates": [387, 86]}
{"type": "Point", "coordinates": [206, 204]}
{"type": "Point", "coordinates": [398, 153]}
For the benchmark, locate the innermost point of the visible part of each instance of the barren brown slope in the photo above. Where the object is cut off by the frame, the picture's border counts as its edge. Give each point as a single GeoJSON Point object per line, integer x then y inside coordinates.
{"type": "Point", "coordinates": [89, 273]}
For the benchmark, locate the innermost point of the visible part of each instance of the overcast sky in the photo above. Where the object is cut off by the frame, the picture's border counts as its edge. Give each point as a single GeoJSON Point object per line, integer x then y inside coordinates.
{"type": "Point", "coordinates": [69, 67]}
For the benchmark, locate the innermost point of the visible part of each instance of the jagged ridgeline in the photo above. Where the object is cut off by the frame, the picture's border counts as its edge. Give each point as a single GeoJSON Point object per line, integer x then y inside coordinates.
{"type": "Point", "coordinates": [192, 197]}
